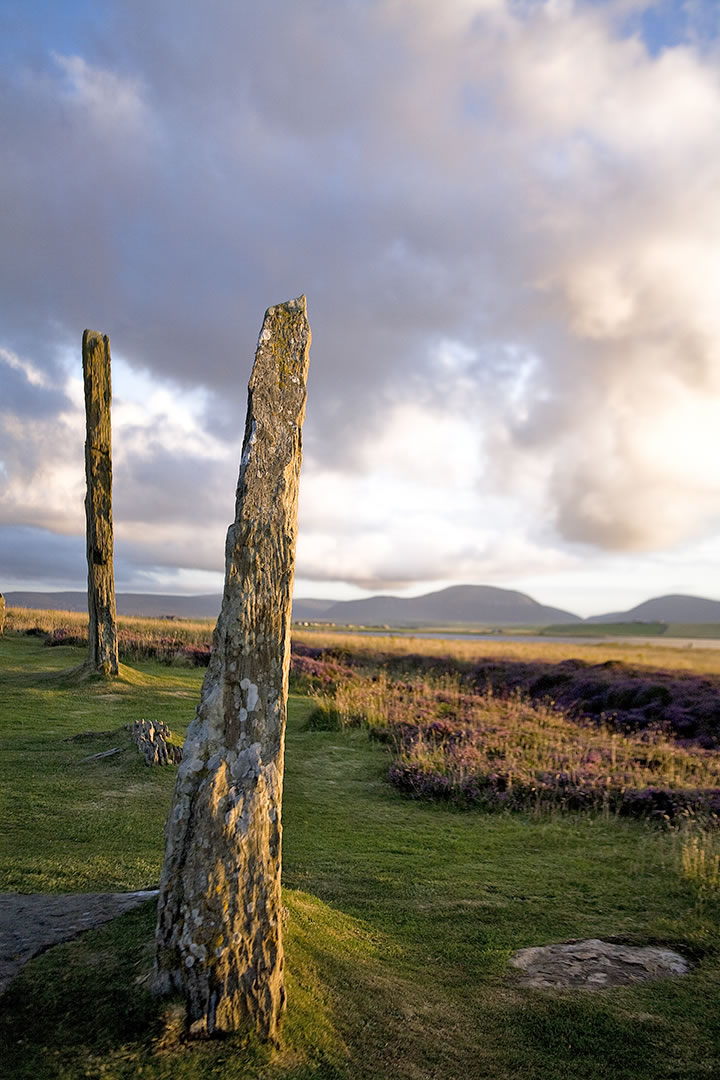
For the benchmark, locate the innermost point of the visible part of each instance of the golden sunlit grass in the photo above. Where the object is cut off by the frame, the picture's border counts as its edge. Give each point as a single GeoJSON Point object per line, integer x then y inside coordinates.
{"type": "Point", "coordinates": [189, 631]}
{"type": "Point", "coordinates": [700, 659]}
{"type": "Point", "coordinates": [453, 743]}
{"type": "Point", "coordinates": [402, 913]}
{"type": "Point", "coordinates": [700, 860]}
{"type": "Point", "coordinates": [198, 632]}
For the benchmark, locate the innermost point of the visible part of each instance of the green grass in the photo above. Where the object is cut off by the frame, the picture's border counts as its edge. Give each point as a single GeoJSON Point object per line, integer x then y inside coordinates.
{"type": "Point", "coordinates": [402, 915]}
{"type": "Point", "coordinates": [579, 630]}
{"type": "Point", "coordinates": [635, 629]}
{"type": "Point", "coordinates": [619, 629]}
{"type": "Point", "coordinates": [694, 630]}
{"type": "Point", "coordinates": [70, 825]}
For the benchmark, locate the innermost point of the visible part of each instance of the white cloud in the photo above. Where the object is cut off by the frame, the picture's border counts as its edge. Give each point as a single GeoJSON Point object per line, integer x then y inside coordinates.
{"type": "Point", "coordinates": [33, 375]}
{"type": "Point", "coordinates": [112, 103]}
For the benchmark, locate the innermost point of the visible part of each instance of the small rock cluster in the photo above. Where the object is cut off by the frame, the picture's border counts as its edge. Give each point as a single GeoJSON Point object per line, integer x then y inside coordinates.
{"type": "Point", "coordinates": [153, 742]}
{"type": "Point", "coordinates": [595, 964]}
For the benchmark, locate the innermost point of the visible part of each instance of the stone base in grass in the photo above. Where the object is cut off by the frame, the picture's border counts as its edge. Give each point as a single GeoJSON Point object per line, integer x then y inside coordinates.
{"type": "Point", "coordinates": [153, 742]}
{"type": "Point", "coordinates": [595, 964]}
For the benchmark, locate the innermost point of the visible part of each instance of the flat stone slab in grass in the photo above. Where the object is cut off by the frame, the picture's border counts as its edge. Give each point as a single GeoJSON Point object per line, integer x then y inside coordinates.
{"type": "Point", "coordinates": [595, 964]}
{"type": "Point", "coordinates": [31, 923]}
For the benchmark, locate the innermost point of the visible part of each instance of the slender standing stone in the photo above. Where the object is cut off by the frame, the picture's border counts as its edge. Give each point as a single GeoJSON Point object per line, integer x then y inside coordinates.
{"type": "Point", "coordinates": [2, 613]}
{"type": "Point", "coordinates": [102, 634]}
{"type": "Point", "coordinates": [219, 911]}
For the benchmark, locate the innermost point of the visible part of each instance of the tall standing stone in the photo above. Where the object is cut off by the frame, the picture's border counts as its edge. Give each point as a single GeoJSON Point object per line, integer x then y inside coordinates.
{"type": "Point", "coordinates": [102, 634]}
{"type": "Point", "coordinates": [2, 613]}
{"type": "Point", "coordinates": [219, 914]}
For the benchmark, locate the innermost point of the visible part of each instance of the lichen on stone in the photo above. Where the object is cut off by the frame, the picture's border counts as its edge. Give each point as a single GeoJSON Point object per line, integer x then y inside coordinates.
{"type": "Point", "coordinates": [219, 927]}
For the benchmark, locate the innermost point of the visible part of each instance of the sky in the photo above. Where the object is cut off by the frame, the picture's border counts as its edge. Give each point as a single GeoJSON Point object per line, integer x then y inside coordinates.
{"type": "Point", "coordinates": [505, 215]}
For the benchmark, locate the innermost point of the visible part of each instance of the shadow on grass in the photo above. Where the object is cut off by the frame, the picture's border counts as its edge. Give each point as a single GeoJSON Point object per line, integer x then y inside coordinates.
{"type": "Point", "coordinates": [646, 1032]}
{"type": "Point", "coordinates": [85, 1008]}
{"type": "Point", "coordinates": [80, 676]}
{"type": "Point", "coordinates": [588, 1035]}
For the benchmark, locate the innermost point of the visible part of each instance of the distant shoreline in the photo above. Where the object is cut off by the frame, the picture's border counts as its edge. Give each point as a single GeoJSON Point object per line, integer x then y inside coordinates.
{"type": "Point", "coordinates": [431, 625]}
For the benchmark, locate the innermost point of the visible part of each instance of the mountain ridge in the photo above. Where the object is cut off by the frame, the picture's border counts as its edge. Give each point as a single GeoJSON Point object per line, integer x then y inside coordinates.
{"type": "Point", "coordinates": [672, 608]}
{"type": "Point", "coordinates": [151, 605]}
{"type": "Point", "coordinates": [456, 605]}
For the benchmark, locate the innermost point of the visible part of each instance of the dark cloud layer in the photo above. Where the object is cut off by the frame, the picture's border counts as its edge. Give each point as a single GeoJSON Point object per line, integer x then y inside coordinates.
{"type": "Point", "coordinates": [502, 212]}
{"type": "Point", "coordinates": [24, 399]}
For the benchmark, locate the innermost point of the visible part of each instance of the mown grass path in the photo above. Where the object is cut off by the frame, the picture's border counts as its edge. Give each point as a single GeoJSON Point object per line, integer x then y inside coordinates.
{"type": "Point", "coordinates": [402, 915]}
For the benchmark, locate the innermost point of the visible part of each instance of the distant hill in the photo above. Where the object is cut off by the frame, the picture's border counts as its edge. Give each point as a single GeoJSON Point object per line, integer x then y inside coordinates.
{"type": "Point", "coordinates": [308, 610]}
{"type": "Point", "coordinates": [152, 606]}
{"type": "Point", "coordinates": [460, 604]}
{"type": "Point", "coordinates": [666, 609]}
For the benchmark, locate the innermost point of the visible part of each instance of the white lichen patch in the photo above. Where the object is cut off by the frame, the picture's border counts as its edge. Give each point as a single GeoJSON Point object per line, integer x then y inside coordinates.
{"type": "Point", "coordinates": [214, 762]}
{"type": "Point", "coordinates": [248, 762]}
{"type": "Point", "coordinates": [251, 694]}
{"type": "Point", "coordinates": [237, 819]}
{"type": "Point", "coordinates": [190, 765]}
{"type": "Point", "coordinates": [210, 695]}
{"type": "Point", "coordinates": [180, 810]}
{"type": "Point", "coordinates": [249, 445]}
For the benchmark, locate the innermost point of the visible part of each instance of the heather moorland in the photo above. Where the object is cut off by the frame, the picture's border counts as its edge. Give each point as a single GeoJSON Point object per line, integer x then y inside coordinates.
{"type": "Point", "coordinates": [445, 804]}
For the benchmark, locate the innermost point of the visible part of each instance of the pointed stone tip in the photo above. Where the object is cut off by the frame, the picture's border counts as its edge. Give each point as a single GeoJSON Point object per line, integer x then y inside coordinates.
{"type": "Point", "coordinates": [298, 304]}
{"type": "Point", "coordinates": [94, 335]}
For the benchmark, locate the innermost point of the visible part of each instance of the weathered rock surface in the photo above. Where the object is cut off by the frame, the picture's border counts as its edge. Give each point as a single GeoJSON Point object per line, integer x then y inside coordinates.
{"type": "Point", "coordinates": [29, 924]}
{"type": "Point", "coordinates": [595, 964]}
{"type": "Point", "coordinates": [219, 915]}
{"type": "Point", "coordinates": [2, 613]}
{"type": "Point", "coordinates": [102, 635]}
{"type": "Point", "coordinates": [153, 742]}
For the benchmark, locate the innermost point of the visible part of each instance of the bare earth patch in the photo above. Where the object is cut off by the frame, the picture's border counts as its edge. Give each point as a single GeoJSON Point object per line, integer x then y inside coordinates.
{"type": "Point", "coordinates": [31, 923]}
{"type": "Point", "coordinates": [595, 964]}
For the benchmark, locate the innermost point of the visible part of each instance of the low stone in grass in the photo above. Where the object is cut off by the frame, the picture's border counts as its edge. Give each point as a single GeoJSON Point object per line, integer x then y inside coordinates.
{"type": "Point", "coordinates": [595, 964]}
{"type": "Point", "coordinates": [153, 742]}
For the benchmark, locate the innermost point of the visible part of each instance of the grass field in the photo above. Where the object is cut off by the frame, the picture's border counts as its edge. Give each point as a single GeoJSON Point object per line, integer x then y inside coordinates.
{"type": "Point", "coordinates": [177, 634]}
{"type": "Point", "coordinates": [402, 914]}
{"type": "Point", "coordinates": [697, 658]}
{"type": "Point", "coordinates": [636, 629]}
{"type": "Point", "coordinates": [580, 630]}
{"type": "Point", "coordinates": [20, 620]}
{"type": "Point", "coordinates": [451, 741]}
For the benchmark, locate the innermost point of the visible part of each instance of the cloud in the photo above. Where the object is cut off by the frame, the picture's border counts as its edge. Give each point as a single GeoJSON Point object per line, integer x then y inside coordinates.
{"type": "Point", "coordinates": [112, 104]}
{"type": "Point", "coordinates": [505, 216]}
